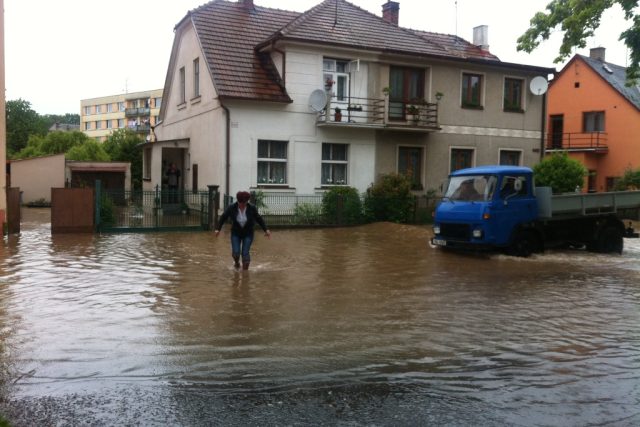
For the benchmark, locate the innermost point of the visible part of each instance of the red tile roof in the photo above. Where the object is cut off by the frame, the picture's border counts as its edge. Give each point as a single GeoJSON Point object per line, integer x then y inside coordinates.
{"type": "Point", "coordinates": [231, 37]}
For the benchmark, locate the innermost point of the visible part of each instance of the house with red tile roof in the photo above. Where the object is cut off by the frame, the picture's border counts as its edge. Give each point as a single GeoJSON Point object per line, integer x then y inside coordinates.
{"type": "Point", "coordinates": [265, 99]}
{"type": "Point", "coordinates": [595, 117]}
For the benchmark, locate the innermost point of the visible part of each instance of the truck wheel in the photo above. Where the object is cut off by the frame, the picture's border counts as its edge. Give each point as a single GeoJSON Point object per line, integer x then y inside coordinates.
{"type": "Point", "coordinates": [524, 244]}
{"type": "Point", "coordinates": [610, 240]}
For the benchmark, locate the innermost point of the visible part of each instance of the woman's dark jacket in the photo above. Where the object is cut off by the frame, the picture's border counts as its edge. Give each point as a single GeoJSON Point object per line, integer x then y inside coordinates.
{"type": "Point", "coordinates": [253, 217]}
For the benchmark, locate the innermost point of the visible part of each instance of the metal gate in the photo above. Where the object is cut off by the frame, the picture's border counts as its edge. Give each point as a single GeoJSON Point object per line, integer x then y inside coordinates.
{"type": "Point", "coordinates": [134, 211]}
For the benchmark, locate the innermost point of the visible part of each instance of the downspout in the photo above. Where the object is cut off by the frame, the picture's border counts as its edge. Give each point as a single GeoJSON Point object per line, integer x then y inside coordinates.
{"type": "Point", "coordinates": [228, 148]}
{"type": "Point", "coordinates": [544, 128]}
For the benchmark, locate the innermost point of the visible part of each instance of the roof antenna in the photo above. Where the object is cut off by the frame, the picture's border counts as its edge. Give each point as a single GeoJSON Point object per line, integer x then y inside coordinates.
{"type": "Point", "coordinates": [456, 3]}
{"type": "Point", "coordinates": [335, 22]}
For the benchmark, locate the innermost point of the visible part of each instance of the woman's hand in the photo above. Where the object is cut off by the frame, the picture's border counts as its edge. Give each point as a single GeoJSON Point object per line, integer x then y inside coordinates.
{"type": "Point", "coordinates": [217, 232]}
{"type": "Point", "coordinates": [267, 234]}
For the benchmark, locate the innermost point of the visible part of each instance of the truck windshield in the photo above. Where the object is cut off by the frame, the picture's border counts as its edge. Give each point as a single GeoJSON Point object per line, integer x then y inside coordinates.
{"type": "Point", "coordinates": [471, 188]}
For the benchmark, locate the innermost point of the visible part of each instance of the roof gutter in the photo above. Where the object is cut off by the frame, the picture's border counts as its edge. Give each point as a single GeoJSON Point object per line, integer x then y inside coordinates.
{"type": "Point", "coordinates": [227, 148]}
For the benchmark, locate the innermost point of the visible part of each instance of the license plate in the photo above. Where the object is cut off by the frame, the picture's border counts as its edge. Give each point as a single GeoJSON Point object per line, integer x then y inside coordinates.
{"type": "Point", "coordinates": [439, 242]}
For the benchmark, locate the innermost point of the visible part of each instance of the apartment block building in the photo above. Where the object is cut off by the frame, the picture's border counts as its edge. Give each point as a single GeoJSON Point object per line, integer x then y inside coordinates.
{"type": "Point", "coordinates": [137, 111]}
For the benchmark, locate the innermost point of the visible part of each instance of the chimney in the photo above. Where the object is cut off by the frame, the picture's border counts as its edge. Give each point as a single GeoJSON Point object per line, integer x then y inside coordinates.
{"type": "Point", "coordinates": [597, 53]}
{"type": "Point", "coordinates": [391, 12]}
{"type": "Point", "coordinates": [481, 37]}
{"type": "Point", "coordinates": [248, 4]}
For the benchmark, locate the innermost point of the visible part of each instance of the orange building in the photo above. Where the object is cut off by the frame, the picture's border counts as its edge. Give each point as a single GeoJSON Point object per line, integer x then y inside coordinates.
{"type": "Point", "coordinates": [595, 117]}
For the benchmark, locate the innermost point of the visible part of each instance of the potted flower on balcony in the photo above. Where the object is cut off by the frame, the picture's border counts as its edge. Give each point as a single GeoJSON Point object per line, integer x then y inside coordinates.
{"type": "Point", "coordinates": [413, 113]}
{"type": "Point", "coordinates": [338, 116]}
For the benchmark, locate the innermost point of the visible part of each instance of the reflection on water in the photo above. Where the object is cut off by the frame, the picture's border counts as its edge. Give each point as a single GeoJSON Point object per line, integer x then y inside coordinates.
{"type": "Point", "coordinates": [364, 325]}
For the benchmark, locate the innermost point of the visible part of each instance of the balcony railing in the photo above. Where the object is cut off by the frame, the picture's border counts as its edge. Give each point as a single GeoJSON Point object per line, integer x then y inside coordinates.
{"type": "Point", "coordinates": [137, 112]}
{"type": "Point", "coordinates": [578, 141]}
{"type": "Point", "coordinates": [380, 113]}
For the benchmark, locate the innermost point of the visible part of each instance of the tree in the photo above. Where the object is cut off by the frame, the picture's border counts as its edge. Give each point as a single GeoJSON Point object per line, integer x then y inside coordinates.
{"type": "Point", "coordinates": [390, 199]}
{"type": "Point", "coordinates": [90, 151]}
{"type": "Point", "coordinates": [560, 172]}
{"type": "Point", "coordinates": [67, 119]}
{"type": "Point", "coordinates": [22, 122]}
{"type": "Point", "coordinates": [57, 142]}
{"type": "Point", "coordinates": [123, 145]}
{"type": "Point", "coordinates": [629, 181]}
{"type": "Point", "coordinates": [579, 19]}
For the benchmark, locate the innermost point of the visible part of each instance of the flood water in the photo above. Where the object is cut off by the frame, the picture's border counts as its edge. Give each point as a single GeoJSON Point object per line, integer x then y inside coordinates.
{"type": "Point", "coordinates": [351, 326]}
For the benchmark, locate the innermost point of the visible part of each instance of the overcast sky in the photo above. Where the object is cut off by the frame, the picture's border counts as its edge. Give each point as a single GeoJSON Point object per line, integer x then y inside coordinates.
{"type": "Point", "coordinates": [59, 52]}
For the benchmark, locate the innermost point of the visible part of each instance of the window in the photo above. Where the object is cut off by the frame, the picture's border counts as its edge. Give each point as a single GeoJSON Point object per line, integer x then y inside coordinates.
{"type": "Point", "coordinates": [98, 109]}
{"type": "Point", "coordinates": [593, 121]}
{"type": "Point", "coordinates": [183, 95]}
{"type": "Point", "coordinates": [87, 110]}
{"type": "Point", "coordinates": [272, 162]}
{"type": "Point", "coordinates": [461, 158]}
{"type": "Point", "coordinates": [406, 85]}
{"type": "Point", "coordinates": [410, 164]}
{"type": "Point", "coordinates": [336, 78]}
{"type": "Point", "coordinates": [158, 102]}
{"type": "Point", "coordinates": [471, 90]}
{"type": "Point", "coordinates": [87, 125]}
{"type": "Point", "coordinates": [121, 106]}
{"type": "Point", "coordinates": [98, 124]}
{"type": "Point", "coordinates": [120, 123]}
{"type": "Point", "coordinates": [508, 187]}
{"type": "Point", "coordinates": [147, 163]}
{"type": "Point", "coordinates": [196, 77]}
{"type": "Point", "coordinates": [109, 108]}
{"type": "Point", "coordinates": [109, 124]}
{"type": "Point", "coordinates": [513, 94]}
{"type": "Point", "coordinates": [510, 157]}
{"type": "Point", "coordinates": [334, 164]}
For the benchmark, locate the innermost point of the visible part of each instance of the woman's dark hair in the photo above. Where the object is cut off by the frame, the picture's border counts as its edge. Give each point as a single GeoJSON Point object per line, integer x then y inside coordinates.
{"type": "Point", "coordinates": [243, 196]}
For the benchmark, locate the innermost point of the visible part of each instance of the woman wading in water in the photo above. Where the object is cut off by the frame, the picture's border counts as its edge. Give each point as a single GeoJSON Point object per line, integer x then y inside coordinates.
{"type": "Point", "coordinates": [244, 217]}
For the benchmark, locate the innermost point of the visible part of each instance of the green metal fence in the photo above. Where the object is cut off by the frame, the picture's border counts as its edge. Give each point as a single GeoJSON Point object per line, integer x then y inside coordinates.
{"type": "Point", "coordinates": [125, 211]}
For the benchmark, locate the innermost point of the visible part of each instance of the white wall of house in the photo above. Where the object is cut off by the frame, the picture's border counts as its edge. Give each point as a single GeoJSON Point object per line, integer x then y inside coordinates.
{"type": "Point", "coordinates": [37, 176]}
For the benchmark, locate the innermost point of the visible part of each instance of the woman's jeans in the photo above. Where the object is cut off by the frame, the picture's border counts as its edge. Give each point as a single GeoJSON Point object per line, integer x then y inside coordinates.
{"type": "Point", "coordinates": [241, 244]}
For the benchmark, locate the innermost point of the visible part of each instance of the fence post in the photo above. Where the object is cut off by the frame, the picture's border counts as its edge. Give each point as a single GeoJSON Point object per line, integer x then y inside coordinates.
{"type": "Point", "coordinates": [214, 205]}
{"type": "Point", "coordinates": [340, 209]}
{"type": "Point", "coordinates": [98, 204]}
{"type": "Point", "coordinates": [156, 206]}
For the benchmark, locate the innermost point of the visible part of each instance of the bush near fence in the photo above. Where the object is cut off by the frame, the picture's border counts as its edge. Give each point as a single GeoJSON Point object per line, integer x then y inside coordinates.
{"type": "Point", "coordinates": [338, 208]}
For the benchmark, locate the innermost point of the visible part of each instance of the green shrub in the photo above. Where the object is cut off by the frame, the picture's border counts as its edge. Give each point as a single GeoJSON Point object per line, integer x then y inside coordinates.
{"type": "Point", "coordinates": [390, 199]}
{"type": "Point", "coordinates": [307, 213]}
{"type": "Point", "coordinates": [107, 211]}
{"type": "Point", "coordinates": [629, 181]}
{"type": "Point", "coordinates": [342, 205]}
{"type": "Point", "coordinates": [560, 172]}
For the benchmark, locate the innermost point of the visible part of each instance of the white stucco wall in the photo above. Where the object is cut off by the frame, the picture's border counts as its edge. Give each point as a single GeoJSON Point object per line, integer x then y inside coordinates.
{"type": "Point", "coordinates": [36, 177]}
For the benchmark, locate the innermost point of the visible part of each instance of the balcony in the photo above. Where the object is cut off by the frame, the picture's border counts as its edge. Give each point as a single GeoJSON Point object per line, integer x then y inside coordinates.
{"type": "Point", "coordinates": [137, 112]}
{"type": "Point", "coordinates": [594, 142]}
{"type": "Point", "coordinates": [380, 113]}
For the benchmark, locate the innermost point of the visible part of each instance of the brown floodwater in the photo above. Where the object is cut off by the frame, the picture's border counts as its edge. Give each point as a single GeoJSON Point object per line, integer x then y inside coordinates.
{"type": "Point", "coordinates": [342, 326]}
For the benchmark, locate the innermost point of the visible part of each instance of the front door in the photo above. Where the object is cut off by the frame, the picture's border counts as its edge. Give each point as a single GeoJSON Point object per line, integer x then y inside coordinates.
{"type": "Point", "coordinates": [557, 125]}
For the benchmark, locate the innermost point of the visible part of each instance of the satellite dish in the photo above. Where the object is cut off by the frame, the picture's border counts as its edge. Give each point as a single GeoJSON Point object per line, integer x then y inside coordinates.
{"type": "Point", "coordinates": [318, 100]}
{"type": "Point", "coordinates": [538, 85]}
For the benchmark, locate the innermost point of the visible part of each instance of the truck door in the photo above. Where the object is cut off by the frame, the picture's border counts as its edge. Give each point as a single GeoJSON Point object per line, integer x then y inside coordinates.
{"type": "Point", "coordinates": [516, 205]}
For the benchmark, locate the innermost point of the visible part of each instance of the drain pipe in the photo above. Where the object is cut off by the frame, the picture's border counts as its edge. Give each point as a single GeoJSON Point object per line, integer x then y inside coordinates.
{"type": "Point", "coordinates": [227, 148]}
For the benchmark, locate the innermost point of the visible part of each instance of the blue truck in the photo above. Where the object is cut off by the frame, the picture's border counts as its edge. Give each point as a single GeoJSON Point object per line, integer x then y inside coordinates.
{"type": "Point", "coordinates": [499, 208]}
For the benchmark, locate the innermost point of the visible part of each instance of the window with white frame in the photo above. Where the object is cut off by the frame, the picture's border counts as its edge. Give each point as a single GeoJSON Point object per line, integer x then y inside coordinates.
{"type": "Point", "coordinates": [461, 158]}
{"type": "Point", "coordinates": [334, 164]}
{"type": "Point", "coordinates": [109, 108]}
{"type": "Point", "coordinates": [183, 94]}
{"type": "Point", "coordinates": [87, 110]}
{"type": "Point", "coordinates": [335, 73]}
{"type": "Point", "coordinates": [593, 121]}
{"type": "Point", "coordinates": [98, 124]}
{"type": "Point", "coordinates": [510, 157]}
{"type": "Point", "coordinates": [120, 123]}
{"type": "Point", "coordinates": [513, 94]}
{"type": "Point", "coordinates": [98, 109]}
{"type": "Point", "coordinates": [272, 162]}
{"type": "Point", "coordinates": [109, 124]}
{"type": "Point", "coordinates": [471, 90]}
{"type": "Point", "coordinates": [410, 164]}
{"type": "Point", "coordinates": [87, 125]}
{"type": "Point", "coordinates": [196, 77]}
{"type": "Point", "coordinates": [121, 106]}
{"type": "Point", "coordinates": [158, 102]}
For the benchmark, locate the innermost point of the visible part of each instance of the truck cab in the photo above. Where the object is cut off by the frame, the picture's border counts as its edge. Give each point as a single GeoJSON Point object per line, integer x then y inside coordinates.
{"type": "Point", "coordinates": [485, 207]}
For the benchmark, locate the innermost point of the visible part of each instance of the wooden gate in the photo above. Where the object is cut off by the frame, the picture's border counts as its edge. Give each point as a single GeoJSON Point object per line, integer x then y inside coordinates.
{"type": "Point", "coordinates": [13, 210]}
